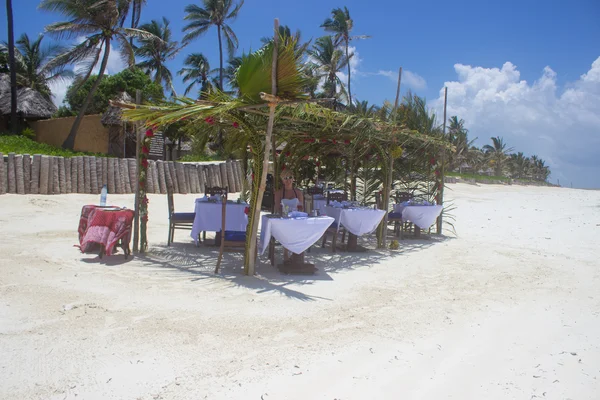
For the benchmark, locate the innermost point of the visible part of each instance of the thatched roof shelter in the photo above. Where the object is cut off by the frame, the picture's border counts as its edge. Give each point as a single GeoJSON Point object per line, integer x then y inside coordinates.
{"type": "Point", "coordinates": [114, 115]}
{"type": "Point", "coordinates": [30, 103]}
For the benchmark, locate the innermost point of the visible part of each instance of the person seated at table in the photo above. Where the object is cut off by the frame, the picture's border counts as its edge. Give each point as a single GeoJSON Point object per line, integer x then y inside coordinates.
{"type": "Point", "coordinates": [288, 194]}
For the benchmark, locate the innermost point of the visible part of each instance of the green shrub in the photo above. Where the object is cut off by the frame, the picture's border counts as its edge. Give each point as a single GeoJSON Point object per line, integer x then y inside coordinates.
{"type": "Point", "coordinates": [28, 133]}
{"type": "Point", "coordinates": [24, 145]}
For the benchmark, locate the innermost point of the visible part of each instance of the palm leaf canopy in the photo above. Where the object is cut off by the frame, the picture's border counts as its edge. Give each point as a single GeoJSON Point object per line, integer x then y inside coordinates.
{"type": "Point", "coordinates": [254, 74]}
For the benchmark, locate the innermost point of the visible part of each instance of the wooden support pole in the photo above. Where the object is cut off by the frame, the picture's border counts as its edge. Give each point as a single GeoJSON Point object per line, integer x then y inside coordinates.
{"type": "Point", "coordinates": [44, 174]}
{"type": "Point", "coordinates": [138, 150]}
{"type": "Point", "coordinates": [35, 174]}
{"type": "Point", "coordinates": [124, 164]}
{"type": "Point", "coordinates": [12, 178]}
{"type": "Point", "coordinates": [19, 174]}
{"type": "Point", "coordinates": [80, 175]}
{"type": "Point", "coordinates": [2, 175]}
{"type": "Point", "coordinates": [94, 189]}
{"type": "Point", "coordinates": [249, 256]}
{"type": "Point", "coordinates": [99, 173]}
{"type": "Point", "coordinates": [55, 175]}
{"type": "Point", "coordinates": [27, 172]}
{"type": "Point", "coordinates": [162, 183]}
{"type": "Point", "coordinates": [440, 197]}
{"type": "Point", "coordinates": [62, 175]}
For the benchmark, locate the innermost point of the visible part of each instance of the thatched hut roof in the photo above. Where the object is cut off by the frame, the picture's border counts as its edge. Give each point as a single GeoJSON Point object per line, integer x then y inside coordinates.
{"type": "Point", "coordinates": [30, 103]}
{"type": "Point", "coordinates": [113, 115]}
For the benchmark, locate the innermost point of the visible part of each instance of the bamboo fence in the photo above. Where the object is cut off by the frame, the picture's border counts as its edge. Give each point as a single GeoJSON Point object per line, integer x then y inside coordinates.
{"type": "Point", "coordinates": [40, 174]}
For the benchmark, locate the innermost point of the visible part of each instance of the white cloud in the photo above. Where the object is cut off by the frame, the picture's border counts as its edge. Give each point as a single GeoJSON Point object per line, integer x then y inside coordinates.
{"type": "Point", "coordinates": [561, 126]}
{"type": "Point", "coordinates": [409, 78]}
{"type": "Point", "coordinates": [114, 65]}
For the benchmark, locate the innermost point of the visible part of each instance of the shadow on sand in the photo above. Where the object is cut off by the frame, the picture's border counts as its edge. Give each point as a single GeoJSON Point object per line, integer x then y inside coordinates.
{"type": "Point", "coordinates": [198, 263]}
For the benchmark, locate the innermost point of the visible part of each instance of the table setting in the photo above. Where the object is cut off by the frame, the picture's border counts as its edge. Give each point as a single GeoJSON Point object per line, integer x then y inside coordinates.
{"type": "Point", "coordinates": [357, 220]}
{"type": "Point", "coordinates": [296, 231]}
{"type": "Point", "coordinates": [209, 214]}
{"type": "Point", "coordinates": [421, 213]}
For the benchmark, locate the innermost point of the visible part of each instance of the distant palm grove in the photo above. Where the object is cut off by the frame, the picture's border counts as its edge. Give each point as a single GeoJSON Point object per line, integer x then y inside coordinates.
{"type": "Point", "coordinates": [99, 27]}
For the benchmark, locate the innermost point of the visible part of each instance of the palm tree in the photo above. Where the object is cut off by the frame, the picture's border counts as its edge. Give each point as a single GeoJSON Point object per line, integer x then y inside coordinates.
{"type": "Point", "coordinates": [285, 34]}
{"type": "Point", "coordinates": [458, 136]}
{"type": "Point", "coordinates": [37, 67]}
{"type": "Point", "coordinates": [519, 165]}
{"type": "Point", "coordinates": [341, 25]}
{"type": "Point", "coordinates": [156, 50]}
{"type": "Point", "coordinates": [11, 65]}
{"type": "Point", "coordinates": [196, 72]}
{"type": "Point", "coordinates": [215, 13]}
{"type": "Point", "coordinates": [497, 154]}
{"type": "Point", "coordinates": [328, 61]}
{"type": "Point", "coordinates": [136, 13]}
{"type": "Point", "coordinates": [102, 23]}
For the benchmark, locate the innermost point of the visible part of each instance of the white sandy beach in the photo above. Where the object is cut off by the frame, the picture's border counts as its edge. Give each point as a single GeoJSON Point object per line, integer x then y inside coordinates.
{"type": "Point", "coordinates": [508, 309]}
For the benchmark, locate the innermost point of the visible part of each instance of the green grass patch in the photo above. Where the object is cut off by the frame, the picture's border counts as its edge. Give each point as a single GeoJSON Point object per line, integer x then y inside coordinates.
{"type": "Point", "coordinates": [200, 157]}
{"type": "Point", "coordinates": [23, 145]}
{"type": "Point", "coordinates": [478, 177]}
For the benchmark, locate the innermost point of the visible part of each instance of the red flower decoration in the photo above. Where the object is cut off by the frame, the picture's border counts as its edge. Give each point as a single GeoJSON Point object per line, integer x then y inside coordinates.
{"type": "Point", "coordinates": [145, 162]}
{"type": "Point", "coordinates": [145, 150]}
{"type": "Point", "coordinates": [432, 161]}
{"type": "Point", "coordinates": [282, 165]}
{"type": "Point", "coordinates": [149, 133]}
{"type": "Point", "coordinates": [209, 120]}
{"type": "Point", "coordinates": [236, 125]}
{"type": "Point", "coordinates": [252, 176]}
{"type": "Point", "coordinates": [287, 153]}
{"type": "Point", "coordinates": [145, 200]}
{"type": "Point", "coordinates": [305, 158]}
{"type": "Point", "coordinates": [145, 218]}
{"type": "Point", "coordinates": [334, 141]}
{"type": "Point", "coordinates": [318, 163]}
{"type": "Point", "coordinates": [309, 140]}
{"type": "Point", "coordinates": [437, 172]}
{"type": "Point", "coordinates": [347, 141]}
{"type": "Point", "coordinates": [324, 141]}
{"type": "Point", "coordinates": [247, 210]}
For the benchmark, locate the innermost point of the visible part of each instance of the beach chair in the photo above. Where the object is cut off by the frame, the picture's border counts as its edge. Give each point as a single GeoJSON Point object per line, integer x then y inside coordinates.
{"type": "Point", "coordinates": [233, 240]}
{"type": "Point", "coordinates": [334, 229]}
{"type": "Point", "coordinates": [177, 220]}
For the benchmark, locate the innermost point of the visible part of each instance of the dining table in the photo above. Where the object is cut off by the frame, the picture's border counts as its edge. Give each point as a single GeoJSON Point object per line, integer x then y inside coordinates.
{"type": "Point", "coordinates": [209, 216]}
{"type": "Point", "coordinates": [296, 233]}
{"type": "Point", "coordinates": [422, 215]}
{"type": "Point", "coordinates": [358, 221]}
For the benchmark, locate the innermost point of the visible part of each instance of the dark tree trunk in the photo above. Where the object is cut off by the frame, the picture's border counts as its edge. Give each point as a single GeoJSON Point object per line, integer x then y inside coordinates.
{"type": "Point", "coordinates": [69, 142]}
{"type": "Point", "coordinates": [349, 91]}
{"type": "Point", "coordinates": [13, 73]}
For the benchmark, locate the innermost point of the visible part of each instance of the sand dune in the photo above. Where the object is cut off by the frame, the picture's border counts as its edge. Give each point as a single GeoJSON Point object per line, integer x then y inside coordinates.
{"type": "Point", "coordinates": [509, 308]}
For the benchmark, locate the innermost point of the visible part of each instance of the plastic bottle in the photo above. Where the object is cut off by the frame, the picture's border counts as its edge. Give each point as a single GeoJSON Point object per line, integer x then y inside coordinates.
{"type": "Point", "coordinates": [103, 196]}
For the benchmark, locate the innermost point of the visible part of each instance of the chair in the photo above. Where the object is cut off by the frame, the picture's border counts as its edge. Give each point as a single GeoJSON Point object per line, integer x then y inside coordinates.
{"type": "Point", "coordinates": [177, 220]}
{"type": "Point", "coordinates": [212, 191]}
{"type": "Point", "coordinates": [309, 200]}
{"type": "Point", "coordinates": [229, 239]}
{"type": "Point", "coordinates": [396, 217]}
{"type": "Point", "coordinates": [334, 228]}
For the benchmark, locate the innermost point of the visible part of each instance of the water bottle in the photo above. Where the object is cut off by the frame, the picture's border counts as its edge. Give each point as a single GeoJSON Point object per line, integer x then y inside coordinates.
{"type": "Point", "coordinates": [103, 196]}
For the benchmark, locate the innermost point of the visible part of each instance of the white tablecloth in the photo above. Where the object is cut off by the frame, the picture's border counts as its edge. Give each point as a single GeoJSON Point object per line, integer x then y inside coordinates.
{"type": "Point", "coordinates": [295, 234]}
{"type": "Point", "coordinates": [208, 217]}
{"type": "Point", "coordinates": [358, 221]}
{"type": "Point", "coordinates": [421, 216]}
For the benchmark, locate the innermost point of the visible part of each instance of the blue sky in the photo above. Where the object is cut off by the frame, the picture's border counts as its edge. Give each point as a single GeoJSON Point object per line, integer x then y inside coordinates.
{"type": "Point", "coordinates": [493, 56]}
